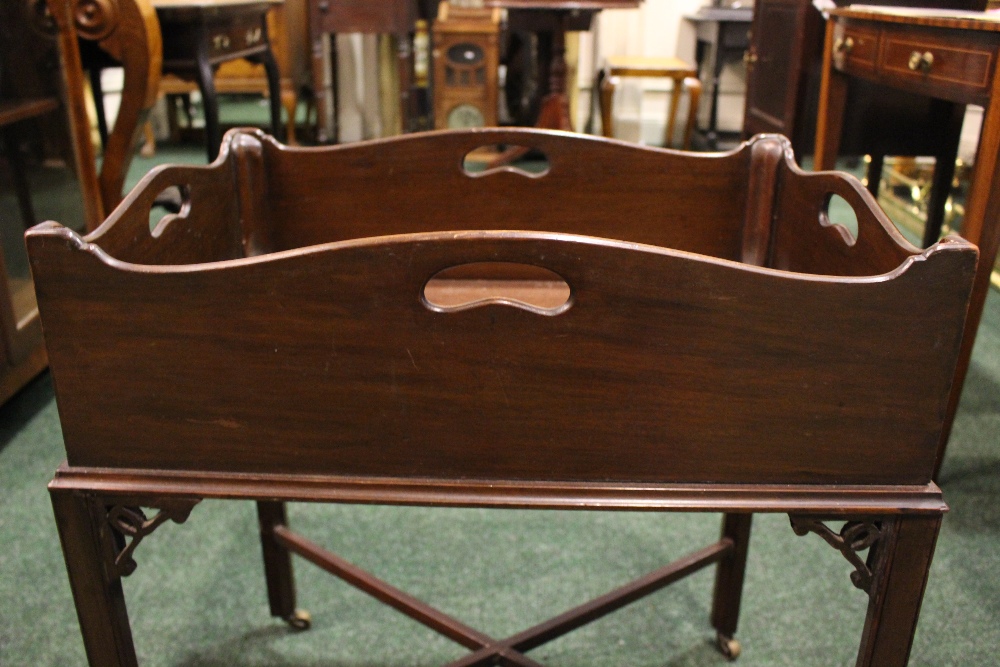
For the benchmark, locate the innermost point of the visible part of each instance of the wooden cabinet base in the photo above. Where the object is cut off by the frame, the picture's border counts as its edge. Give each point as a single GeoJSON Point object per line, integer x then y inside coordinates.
{"type": "Point", "coordinates": [14, 378]}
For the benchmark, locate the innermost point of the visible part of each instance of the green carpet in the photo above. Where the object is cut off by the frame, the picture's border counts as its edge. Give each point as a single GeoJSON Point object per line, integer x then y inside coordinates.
{"type": "Point", "coordinates": [198, 597]}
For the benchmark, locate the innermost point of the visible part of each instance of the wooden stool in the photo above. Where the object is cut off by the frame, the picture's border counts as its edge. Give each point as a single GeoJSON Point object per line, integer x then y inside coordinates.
{"type": "Point", "coordinates": [684, 75]}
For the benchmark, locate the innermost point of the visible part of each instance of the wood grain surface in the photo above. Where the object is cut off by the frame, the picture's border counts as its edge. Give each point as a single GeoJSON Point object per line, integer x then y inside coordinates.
{"type": "Point", "coordinates": [323, 357]}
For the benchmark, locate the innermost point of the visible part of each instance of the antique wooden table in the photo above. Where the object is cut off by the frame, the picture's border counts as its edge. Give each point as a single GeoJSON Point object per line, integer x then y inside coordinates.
{"type": "Point", "coordinates": [949, 55]}
{"type": "Point", "coordinates": [200, 35]}
{"type": "Point", "coordinates": [556, 17]}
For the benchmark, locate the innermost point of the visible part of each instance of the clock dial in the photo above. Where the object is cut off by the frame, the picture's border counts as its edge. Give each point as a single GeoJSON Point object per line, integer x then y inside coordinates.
{"type": "Point", "coordinates": [464, 116]}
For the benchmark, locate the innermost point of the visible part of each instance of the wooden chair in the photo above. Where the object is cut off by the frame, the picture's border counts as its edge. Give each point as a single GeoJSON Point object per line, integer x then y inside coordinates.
{"type": "Point", "coordinates": [684, 77]}
{"type": "Point", "coordinates": [349, 324]}
{"type": "Point", "coordinates": [125, 32]}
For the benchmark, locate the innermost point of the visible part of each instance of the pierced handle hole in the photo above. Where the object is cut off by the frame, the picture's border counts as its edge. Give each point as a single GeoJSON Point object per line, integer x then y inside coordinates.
{"type": "Point", "coordinates": [524, 286]}
{"type": "Point", "coordinates": [173, 202]}
{"type": "Point", "coordinates": [493, 158]}
{"type": "Point", "coordinates": [838, 213]}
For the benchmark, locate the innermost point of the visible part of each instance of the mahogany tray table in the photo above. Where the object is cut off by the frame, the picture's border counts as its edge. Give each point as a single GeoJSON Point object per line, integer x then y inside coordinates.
{"type": "Point", "coordinates": [308, 328]}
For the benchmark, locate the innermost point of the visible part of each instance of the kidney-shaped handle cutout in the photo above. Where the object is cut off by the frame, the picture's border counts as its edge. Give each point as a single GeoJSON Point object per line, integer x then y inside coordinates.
{"type": "Point", "coordinates": [478, 284]}
{"type": "Point", "coordinates": [494, 158]}
{"type": "Point", "coordinates": [173, 203]}
{"type": "Point", "coordinates": [838, 213]}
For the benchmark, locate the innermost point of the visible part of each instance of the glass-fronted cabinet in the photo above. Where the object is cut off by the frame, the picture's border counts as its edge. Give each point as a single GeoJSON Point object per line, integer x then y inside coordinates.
{"type": "Point", "coordinates": [37, 177]}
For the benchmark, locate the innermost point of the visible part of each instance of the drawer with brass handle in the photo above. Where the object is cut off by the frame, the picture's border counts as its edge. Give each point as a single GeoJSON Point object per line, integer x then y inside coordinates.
{"type": "Point", "coordinates": [855, 48]}
{"type": "Point", "coordinates": [945, 61]}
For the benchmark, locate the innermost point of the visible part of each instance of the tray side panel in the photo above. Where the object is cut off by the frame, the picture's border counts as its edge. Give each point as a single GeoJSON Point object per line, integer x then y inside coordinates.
{"type": "Point", "coordinates": [805, 239]}
{"type": "Point", "coordinates": [593, 186]}
{"type": "Point", "coordinates": [665, 367]}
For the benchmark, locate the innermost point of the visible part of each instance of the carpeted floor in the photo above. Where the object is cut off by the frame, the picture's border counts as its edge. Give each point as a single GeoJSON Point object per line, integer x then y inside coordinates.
{"type": "Point", "coordinates": [198, 598]}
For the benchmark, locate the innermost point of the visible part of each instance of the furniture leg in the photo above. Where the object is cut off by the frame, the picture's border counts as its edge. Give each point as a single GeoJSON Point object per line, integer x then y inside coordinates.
{"type": "Point", "coordinates": [210, 103]}
{"type": "Point", "coordinates": [832, 100]}
{"type": "Point", "coordinates": [148, 148]}
{"type": "Point", "coordinates": [100, 601]}
{"type": "Point", "coordinates": [944, 170]}
{"type": "Point", "coordinates": [20, 177]}
{"type": "Point", "coordinates": [273, 92]}
{"type": "Point", "coordinates": [97, 91]}
{"type": "Point", "coordinates": [404, 55]}
{"type": "Point", "coordinates": [713, 114]}
{"type": "Point", "coordinates": [334, 90]}
{"type": "Point", "coordinates": [188, 109]}
{"type": "Point", "coordinates": [554, 113]}
{"type": "Point", "coordinates": [321, 89]}
{"type": "Point", "coordinates": [86, 167]}
{"type": "Point", "coordinates": [607, 96]}
{"type": "Point", "coordinates": [874, 173]}
{"type": "Point", "coordinates": [290, 101]}
{"type": "Point", "coordinates": [278, 566]}
{"type": "Point", "coordinates": [693, 86]}
{"type": "Point", "coordinates": [700, 53]}
{"type": "Point", "coordinates": [900, 562]}
{"type": "Point", "coordinates": [676, 90]}
{"type": "Point", "coordinates": [729, 576]}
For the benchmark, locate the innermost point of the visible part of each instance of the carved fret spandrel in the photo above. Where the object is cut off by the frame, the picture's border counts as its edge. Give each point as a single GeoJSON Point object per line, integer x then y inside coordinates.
{"type": "Point", "coordinates": [129, 525]}
{"type": "Point", "coordinates": [854, 537]}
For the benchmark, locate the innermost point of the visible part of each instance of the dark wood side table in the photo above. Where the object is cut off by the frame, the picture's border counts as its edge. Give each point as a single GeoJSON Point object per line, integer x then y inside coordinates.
{"type": "Point", "coordinates": [200, 35]}
{"type": "Point", "coordinates": [556, 17]}
{"type": "Point", "coordinates": [722, 36]}
{"type": "Point", "coordinates": [946, 55]}
{"type": "Point", "coordinates": [783, 76]}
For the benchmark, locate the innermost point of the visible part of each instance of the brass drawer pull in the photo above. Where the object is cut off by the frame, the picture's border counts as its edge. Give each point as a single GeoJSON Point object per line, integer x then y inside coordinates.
{"type": "Point", "coordinates": [921, 61]}
{"type": "Point", "coordinates": [843, 45]}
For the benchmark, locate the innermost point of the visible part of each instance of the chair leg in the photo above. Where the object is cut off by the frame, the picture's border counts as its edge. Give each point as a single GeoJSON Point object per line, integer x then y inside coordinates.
{"type": "Point", "coordinates": [210, 103]}
{"type": "Point", "coordinates": [100, 601]}
{"type": "Point", "coordinates": [148, 148]}
{"type": "Point", "coordinates": [278, 567]}
{"type": "Point", "coordinates": [729, 583]}
{"type": "Point", "coordinates": [693, 86]}
{"type": "Point", "coordinates": [274, 92]}
{"type": "Point", "coordinates": [607, 93]}
{"type": "Point", "coordinates": [290, 100]}
{"type": "Point", "coordinates": [675, 100]}
{"type": "Point", "coordinates": [900, 562]}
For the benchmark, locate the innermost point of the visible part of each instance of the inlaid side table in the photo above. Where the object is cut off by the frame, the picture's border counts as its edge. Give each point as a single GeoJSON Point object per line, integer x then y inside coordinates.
{"type": "Point", "coordinates": [949, 55]}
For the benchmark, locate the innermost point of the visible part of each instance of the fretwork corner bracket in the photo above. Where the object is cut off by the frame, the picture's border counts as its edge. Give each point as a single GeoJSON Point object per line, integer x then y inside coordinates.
{"type": "Point", "coordinates": [854, 537]}
{"type": "Point", "coordinates": [129, 525]}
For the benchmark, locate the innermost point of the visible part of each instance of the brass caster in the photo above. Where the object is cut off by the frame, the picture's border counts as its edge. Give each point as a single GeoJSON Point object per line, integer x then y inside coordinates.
{"type": "Point", "coordinates": [728, 646]}
{"type": "Point", "coordinates": [300, 620]}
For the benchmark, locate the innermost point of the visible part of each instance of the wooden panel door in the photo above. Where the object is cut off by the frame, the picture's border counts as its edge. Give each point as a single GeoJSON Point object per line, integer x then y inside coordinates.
{"type": "Point", "coordinates": [785, 38]}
